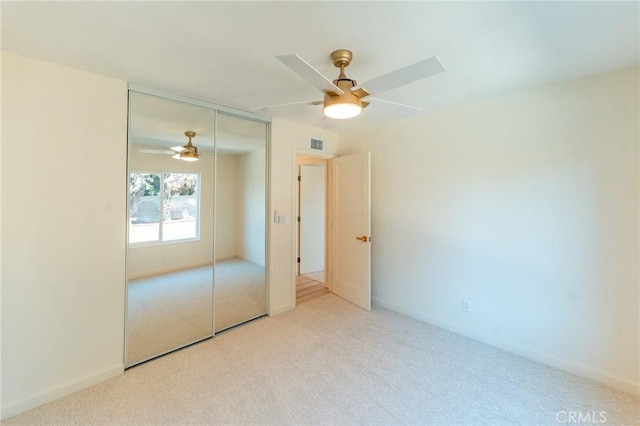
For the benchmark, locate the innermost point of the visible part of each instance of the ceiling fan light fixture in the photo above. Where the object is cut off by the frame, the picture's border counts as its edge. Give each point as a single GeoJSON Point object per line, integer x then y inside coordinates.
{"type": "Point", "coordinates": [339, 94]}
{"type": "Point", "coordinates": [188, 156]}
{"type": "Point", "coordinates": [344, 104]}
{"type": "Point", "coordinates": [342, 111]}
{"type": "Point", "coordinates": [342, 107]}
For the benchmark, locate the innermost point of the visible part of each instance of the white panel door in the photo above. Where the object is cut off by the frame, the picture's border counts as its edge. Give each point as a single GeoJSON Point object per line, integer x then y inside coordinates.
{"type": "Point", "coordinates": [312, 218]}
{"type": "Point", "coordinates": [351, 228]}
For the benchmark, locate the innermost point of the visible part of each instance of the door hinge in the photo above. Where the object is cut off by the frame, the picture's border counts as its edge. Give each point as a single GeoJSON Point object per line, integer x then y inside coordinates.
{"type": "Point", "coordinates": [299, 178]}
{"type": "Point", "coordinates": [298, 260]}
{"type": "Point", "coordinates": [298, 218]}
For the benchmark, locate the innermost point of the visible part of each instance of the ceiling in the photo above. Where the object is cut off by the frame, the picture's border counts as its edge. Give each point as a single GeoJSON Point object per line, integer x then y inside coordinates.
{"type": "Point", "coordinates": [156, 122]}
{"type": "Point", "coordinates": [223, 52]}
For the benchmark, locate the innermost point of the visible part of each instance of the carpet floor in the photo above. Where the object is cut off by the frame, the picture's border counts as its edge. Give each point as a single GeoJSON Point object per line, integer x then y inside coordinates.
{"type": "Point", "coordinates": [330, 362]}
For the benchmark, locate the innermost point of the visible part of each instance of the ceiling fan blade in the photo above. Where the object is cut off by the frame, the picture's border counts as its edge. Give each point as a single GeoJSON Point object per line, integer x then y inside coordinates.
{"type": "Point", "coordinates": [155, 151]}
{"type": "Point", "coordinates": [179, 149]}
{"type": "Point", "coordinates": [402, 76]}
{"type": "Point", "coordinates": [309, 73]}
{"type": "Point", "coordinates": [287, 105]}
{"type": "Point", "coordinates": [394, 103]}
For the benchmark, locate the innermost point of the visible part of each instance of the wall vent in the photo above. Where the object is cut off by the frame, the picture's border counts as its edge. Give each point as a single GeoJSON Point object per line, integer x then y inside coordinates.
{"type": "Point", "coordinates": [317, 144]}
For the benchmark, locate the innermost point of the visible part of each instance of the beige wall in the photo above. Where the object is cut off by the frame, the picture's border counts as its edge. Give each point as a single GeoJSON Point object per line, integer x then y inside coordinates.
{"type": "Point", "coordinates": [64, 150]}
{"type": "Point", "coordinates": [527, 206]}
{"type": "Point", "coordinates": [227, 222]}
{"type": "Point", "coordinates": [251, 206]}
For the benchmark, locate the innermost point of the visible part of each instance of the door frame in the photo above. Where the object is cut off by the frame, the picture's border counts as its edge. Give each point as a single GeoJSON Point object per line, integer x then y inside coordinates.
{"type": "Point", "coordinates": [313, 157]}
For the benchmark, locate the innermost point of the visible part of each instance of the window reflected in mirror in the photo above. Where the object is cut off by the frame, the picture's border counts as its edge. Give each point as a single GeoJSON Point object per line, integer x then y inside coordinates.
{"type": "Point", "coordinates": [163, 207]}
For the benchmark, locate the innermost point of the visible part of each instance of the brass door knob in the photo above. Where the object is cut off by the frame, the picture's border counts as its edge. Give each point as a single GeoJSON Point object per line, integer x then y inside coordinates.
{"type": "Point", "coordinates": [364, 239]}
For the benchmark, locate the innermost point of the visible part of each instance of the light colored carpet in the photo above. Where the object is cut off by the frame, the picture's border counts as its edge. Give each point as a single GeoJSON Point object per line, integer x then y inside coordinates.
{"type": "Point", "coordinates": [329, 362]}
{"type": "Point", "coordinates": [172, 310]}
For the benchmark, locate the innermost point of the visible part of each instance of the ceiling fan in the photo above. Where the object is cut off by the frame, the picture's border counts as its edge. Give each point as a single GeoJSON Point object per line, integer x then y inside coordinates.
{"type": "Point", "coordinates": [189, 152]}
{"type": "Point", "coordinates": [343, 97]}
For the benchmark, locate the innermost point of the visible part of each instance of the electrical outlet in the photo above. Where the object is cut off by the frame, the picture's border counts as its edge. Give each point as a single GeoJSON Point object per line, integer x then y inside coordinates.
{"type": "Point", "coordinates": [466, 305]}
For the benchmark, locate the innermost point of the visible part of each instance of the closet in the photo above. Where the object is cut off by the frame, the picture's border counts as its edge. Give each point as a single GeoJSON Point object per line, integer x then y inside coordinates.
{"type": "Point", "coordinates": [196, 264]}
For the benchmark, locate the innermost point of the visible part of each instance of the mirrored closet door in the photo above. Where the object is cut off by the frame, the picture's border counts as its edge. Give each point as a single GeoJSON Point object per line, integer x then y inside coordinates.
{"type": "Point", "coordinates": [240, 291]}
{"type": "Point", "coordinates": [194, 210]}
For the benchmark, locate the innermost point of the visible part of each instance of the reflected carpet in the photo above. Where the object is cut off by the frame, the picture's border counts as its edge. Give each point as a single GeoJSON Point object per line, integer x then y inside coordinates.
{"type": "Point", "coordinates": [171, 310]}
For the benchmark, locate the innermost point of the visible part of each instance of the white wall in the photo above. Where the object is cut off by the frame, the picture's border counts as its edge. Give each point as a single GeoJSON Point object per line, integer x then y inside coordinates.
{"type": "Point", "coordinates": [227, 214]}
{"type": "Point", "coordinates": [163, 258]}
{"type": "Point", "coordinates": [527, 206]}
{"type": "Point", "coordinates": [287, 140]}
{"type": "Point", "coordinates": [312, 211]}
{"type": "Point", "coordinates": [64, 141]}
{"type": "Point", "coordinates": [251, 206]}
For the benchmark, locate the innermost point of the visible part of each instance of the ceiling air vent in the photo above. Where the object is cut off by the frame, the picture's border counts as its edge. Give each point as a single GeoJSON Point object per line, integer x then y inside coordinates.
{"type": "Point", "coordinates": [317, 144]}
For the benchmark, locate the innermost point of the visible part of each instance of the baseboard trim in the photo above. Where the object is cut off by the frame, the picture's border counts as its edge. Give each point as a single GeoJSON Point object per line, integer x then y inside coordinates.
{"type": "Point", "coordinates": [543, 358]}
{"type": "Point", "coordinates": [36, 400]}
{"type": "Point", "coordinates": [281, 309]}
{"type": "Point", "coordinates": [156, 272]}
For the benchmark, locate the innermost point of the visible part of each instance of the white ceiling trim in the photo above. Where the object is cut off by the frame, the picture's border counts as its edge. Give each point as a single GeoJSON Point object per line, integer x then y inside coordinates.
{"type": "Point", "coordinates": [221, 108]}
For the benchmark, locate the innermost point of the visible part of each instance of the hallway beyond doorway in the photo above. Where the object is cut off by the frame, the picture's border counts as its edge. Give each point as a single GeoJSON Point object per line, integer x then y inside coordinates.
{"type": "Point", "coordinates": [309, 289]}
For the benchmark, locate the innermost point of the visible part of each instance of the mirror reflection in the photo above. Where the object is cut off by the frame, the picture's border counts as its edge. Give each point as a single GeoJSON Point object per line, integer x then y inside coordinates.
{"type": "Point", "coordinates": [197, 216]}
{"type": "Point", "coordinates": [171, 201]}
{"type": "Point", "coordinates": [240, 221]}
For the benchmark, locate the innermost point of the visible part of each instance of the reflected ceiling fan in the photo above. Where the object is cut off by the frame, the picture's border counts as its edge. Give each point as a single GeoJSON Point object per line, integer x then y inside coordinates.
{"type": "Point", "coordinates": [343, 97]}
{"type": "Point", "coordinates": [189, 152]}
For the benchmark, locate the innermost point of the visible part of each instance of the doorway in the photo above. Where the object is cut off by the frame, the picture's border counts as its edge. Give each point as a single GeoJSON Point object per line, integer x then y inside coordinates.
{"type": "Point", "coordinates": [347, 237]}
{"type": "Point", "coordinates": [311, 277]}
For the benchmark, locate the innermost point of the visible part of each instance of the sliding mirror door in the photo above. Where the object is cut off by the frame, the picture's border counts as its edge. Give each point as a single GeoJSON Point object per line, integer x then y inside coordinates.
{"type": "Point", "coordinates": [240, 290]}
{"type": "Point", "coordinates": [171, 226]}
